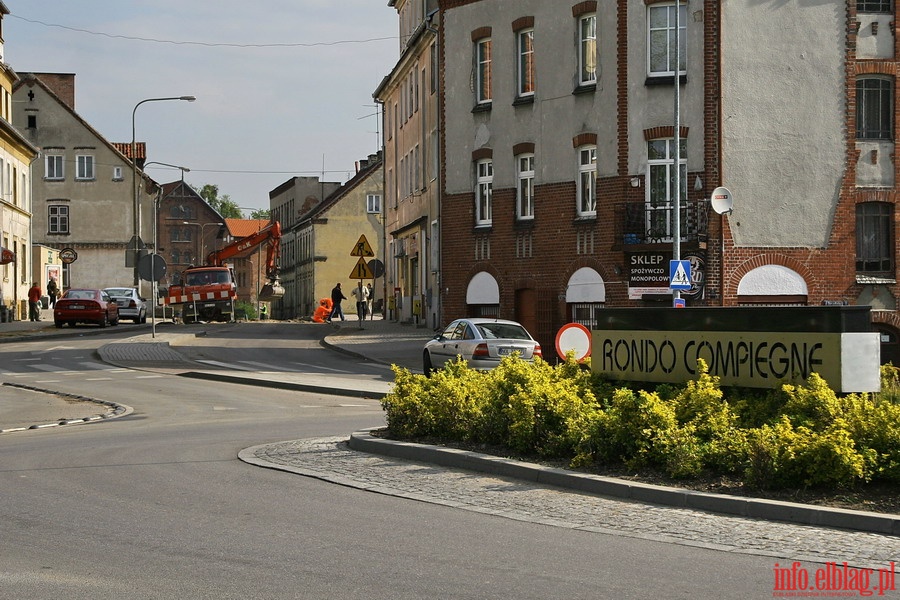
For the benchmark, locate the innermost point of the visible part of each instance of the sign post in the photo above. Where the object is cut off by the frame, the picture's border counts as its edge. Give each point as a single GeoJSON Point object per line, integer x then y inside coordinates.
{"type": "Point", "coordinates": [361, 271]}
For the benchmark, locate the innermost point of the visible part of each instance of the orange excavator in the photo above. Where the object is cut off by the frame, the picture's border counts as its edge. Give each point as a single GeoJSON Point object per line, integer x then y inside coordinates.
{"type": "Point", "coordinates": [208, 293]}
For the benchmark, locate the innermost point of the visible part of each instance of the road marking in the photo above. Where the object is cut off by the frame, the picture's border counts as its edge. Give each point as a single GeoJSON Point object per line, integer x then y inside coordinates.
{"type": "Point", "coordinates": [98, 379]}
{"type": "Point", "coordinates": [311, 366]}
{"type": "Point", "coordinates": [148, 376]}
{"type": "Point", "coordinates": [216, 363]}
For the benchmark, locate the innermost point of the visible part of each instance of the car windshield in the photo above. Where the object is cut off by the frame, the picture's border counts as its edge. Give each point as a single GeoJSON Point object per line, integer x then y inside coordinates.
{"type": "Point", "coordinates": [119, 291]}
{"type": "Point", "coordinates": [506, 331]}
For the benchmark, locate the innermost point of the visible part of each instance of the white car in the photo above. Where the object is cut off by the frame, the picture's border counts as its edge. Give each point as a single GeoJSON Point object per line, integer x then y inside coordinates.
{"type": "Point", "coordinates": [131, 305]}
{"type": "Point", "coordinates": [481, 342]}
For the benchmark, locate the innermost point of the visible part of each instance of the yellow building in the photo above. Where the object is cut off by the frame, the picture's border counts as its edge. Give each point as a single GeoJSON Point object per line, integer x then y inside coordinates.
{"type": "Point", "coordinates": [326, 239]}
{"type": "Point", "coordinates": [16, 156]}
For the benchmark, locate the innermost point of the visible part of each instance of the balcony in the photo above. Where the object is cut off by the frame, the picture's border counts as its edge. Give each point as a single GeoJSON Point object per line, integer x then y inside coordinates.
{"type": "Point", "coordinates": [641, 223]}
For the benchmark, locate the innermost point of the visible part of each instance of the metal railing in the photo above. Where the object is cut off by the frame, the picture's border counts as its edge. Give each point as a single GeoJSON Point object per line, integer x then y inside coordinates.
{"type": "Point", "coordinates": [643, 223]}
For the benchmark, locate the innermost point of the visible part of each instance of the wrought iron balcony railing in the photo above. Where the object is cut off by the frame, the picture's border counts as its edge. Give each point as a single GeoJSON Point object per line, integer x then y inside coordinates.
{"type": "Point", "coordinates": [643, 223]}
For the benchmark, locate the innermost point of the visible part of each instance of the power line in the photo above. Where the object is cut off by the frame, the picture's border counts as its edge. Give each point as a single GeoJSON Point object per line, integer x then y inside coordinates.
{"type": "Point", "coordinates": [196, 43]}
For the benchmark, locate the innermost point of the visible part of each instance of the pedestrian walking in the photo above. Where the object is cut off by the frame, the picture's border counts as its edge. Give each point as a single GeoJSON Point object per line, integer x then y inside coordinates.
{"type": "Point", "coordinates": [370, 297]}
{"type": "Point", "coordinates": [52, 291]}
{"type": "Point", "coordinates": [336, 296]}
{"type": "Point", "coordinates": [361, 293]}
{"type": "Point", "coordinates": [34, 302]}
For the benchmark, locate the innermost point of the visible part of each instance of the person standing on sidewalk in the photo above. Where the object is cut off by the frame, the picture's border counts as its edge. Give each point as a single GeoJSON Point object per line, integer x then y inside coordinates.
{"type": "Point", "coordinates": [34, 302]}
{"type": "Point", "coordinates": [361, 293]}
{"type": "Point", "coordinates": [370, 297]}
{"type": "Point", "coordinates": [52, 291]}
{"type": "Point", "coordinates": [336, 296]}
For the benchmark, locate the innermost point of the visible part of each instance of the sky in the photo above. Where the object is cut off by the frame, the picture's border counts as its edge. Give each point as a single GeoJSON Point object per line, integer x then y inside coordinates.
{"type": "Point", "coordinates": [283, 87]}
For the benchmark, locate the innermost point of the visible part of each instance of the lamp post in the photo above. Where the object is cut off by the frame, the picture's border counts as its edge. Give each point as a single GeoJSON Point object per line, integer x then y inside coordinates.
{"type": "Point", "coordinates": [137, 202]}
{"type": "Point", "coordinates": [202, 226]}
{"type": "Point", "coordinates": [155, 283]}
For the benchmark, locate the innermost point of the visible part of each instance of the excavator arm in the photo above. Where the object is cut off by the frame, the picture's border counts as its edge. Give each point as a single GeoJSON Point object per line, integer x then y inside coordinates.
{"type": "Point", "coordinates": [269, 235]}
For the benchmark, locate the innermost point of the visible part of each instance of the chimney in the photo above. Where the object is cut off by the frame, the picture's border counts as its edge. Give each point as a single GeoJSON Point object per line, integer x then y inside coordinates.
{"type": "Point", "coordinates": [61, 84]}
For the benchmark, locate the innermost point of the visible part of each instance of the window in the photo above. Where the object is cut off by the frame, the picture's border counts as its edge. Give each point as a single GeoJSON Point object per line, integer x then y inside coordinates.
{"type": "Point", "coordinates": [84, 166]}
{"type": "Point", "coordinates": [53, 167]}
{"type": "Point", "coordinates": [587, 50]}
{"type": "Point", "coordinates": [587, 181]}
{"type": "Point", "coordinates": [874, 108]}
{"type": "Point", "coordinates": [875, 6]}
{"type": "Point", "coordinates": [526, 63]}
{"type": "Point", "coordinates": [660, 187]}
{"type": "Point", "coordinates": [117, 173]}
{"type": "Point", "coordinates": [373, 203]}
{"type": "Point", "coordinates": [874, 239]}
{"type": "Point", "coordinates": [32, 121]}
{"type": "Point", "coordinates": [483, 85]}
{"type": "Point", "coordinates": [484, 189]}
{"type": "Point", "coordinates": [661, 40]}
{"type": "Point", "coordinates": [58, 218]}
{"type": "Point", "coordinates": [525, 189]}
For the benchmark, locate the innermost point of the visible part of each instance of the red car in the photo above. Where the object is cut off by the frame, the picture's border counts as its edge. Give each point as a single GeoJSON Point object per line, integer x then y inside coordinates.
{"type": "Point", "coordinates": [86, 306]}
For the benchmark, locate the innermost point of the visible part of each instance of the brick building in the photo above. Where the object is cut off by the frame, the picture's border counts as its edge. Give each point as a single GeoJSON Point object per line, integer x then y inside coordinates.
{"type": "Point", "coordinates": [558, 153]}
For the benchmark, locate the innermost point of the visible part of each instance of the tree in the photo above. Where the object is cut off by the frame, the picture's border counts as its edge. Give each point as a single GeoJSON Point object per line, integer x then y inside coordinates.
{"type": "Point", "coordinates": [260, 213]}
{"type": "Point", "coordinates": [224, 205]}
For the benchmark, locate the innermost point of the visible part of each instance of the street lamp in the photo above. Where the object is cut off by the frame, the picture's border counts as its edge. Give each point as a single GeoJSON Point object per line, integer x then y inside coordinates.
{"type": "Point", "coordinates": [202, 226]}
{"type": "Point", "coordinates": [155, 283]}
{"type": "Point", "coordinates": [137, 202]}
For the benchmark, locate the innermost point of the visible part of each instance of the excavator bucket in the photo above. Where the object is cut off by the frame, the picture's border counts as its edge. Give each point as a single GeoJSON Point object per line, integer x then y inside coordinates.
{"type": "Point", "coordinates": [271, 291]}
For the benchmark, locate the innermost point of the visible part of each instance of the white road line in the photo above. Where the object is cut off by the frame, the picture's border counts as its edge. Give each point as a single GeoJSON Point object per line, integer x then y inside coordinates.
{"type": "Point", "coordinates": [321, 367]}
{"type": "Point", "coordinates": [264, 366]}
{"type": "Point", "coordinates": [148, 376]}
{"type": "Point", "coordinates": [98, 379]}
{"type": "Point", "coordinates": [48, 368]}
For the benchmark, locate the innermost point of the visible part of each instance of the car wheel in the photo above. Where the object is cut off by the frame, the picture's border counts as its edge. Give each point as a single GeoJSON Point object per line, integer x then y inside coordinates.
{"type": "Point", "coordinates": [427, 367]}
{"type": "Point", "coordinates": [59, 324]}
{"type": "Point", "coordinates": [143, 318]}
{"type": "Point", "coordinates": [114, 322]}
{"type": "Point", "coordinates": [104, 321]}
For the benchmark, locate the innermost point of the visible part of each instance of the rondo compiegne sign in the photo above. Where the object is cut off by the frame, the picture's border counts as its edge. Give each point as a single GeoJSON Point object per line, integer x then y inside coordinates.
{"type": "Point", "coordinates": [745, 346]}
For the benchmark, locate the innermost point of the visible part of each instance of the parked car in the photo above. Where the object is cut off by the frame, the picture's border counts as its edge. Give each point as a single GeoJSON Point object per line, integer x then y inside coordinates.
{"type": "Point", "coordinates": [481, 342]}
{"type": "Point", "coordinates": [131, 305]}
{"type": "Point", "coordinates": [82, 305]}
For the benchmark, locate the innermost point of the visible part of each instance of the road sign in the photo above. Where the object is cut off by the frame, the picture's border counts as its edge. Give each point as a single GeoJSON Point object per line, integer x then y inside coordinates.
{"type": "Point", "coordinates": [362, 248]}
{"type": "Point", "coordinates": [576, 338]}
{"type": "Point", "coordinates": [152, 267]}
{"type": "Point", "coordinates": [361, 270]}
{"type": "Point", "coordinates": [377, 267]}
{"type": "Point", "coordinates": [680, 274]}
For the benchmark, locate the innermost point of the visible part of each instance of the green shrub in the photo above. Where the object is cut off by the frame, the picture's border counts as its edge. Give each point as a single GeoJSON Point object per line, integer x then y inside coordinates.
{"type": "Point", "coordinates": [546, 408]}
{"type": "Point", "coordinates": [632, 426]}
{"type": "Point", "coordinates": [814, 405]}
{"type": "Point", "coordinates": [447, 404]}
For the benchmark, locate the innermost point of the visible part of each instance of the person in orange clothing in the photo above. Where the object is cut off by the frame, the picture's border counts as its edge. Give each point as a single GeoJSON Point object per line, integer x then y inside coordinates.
{"type": "Point", "coordinates": [34, 302]}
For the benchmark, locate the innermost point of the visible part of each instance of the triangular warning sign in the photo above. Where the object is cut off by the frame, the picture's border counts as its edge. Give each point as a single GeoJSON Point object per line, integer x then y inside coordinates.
{"type": "Point", "coordinates": [361, 270]}
{"type": "Point", "coordinates": [362, 248]}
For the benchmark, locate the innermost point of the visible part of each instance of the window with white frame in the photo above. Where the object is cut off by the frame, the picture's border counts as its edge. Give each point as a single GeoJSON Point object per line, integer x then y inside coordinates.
{"type": "Point", "coordinates": [587, 181]}
{"type": "Point", "coordinates": [373, 203]}
{"type": "Point", "coordinates": [525, 71]}
{"type": "Point", "coordinates": [117, 174]}
{"type": "Point", "coordinates": [53, 167]}
{"type": "Point", "coordinates": [660, 188]}
{"type": "Point", "coordinates": [58, 218]}
{"type": "Point", "coordinates": [525, 188]}
{"type": "Point", "coordinates": [483, 87]}
{"type": "Point", "coordinates": [587, 49]}
{"type": "Point", "coordinates": [875, 6]}
{"type": "Point", "coordinates": [483, 192]}
{"type": "Point", "coordinates": [661, 40]}
{"type": "Point", "coordinates": [84, 166]}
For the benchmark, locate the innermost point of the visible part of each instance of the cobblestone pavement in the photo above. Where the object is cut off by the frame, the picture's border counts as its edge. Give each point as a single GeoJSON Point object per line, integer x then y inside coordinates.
{"type": "Point", "coordinates": [332, 460]}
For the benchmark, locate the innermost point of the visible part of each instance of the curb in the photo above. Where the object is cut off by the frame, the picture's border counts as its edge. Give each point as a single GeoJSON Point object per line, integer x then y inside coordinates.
{"type": "Point", "coordinates": [757, 508]}
{"type": "Point", "coordinates": [114, 409]}
{"type": "Point", "coordinates": [282, 385]}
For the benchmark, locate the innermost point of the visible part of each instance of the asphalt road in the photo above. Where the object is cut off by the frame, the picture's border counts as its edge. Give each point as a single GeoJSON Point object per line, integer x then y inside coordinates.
{"type": "Point", "coordinates": [155, 504]}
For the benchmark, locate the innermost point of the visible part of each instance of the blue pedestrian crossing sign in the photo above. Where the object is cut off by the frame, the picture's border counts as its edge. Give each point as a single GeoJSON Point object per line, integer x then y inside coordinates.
{"type": "Point", "coordinates": [680, 274]}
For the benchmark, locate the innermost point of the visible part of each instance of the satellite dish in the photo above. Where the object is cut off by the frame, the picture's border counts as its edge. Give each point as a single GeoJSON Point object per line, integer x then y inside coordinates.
{"type": "Point", "coordinates": [721, 201]}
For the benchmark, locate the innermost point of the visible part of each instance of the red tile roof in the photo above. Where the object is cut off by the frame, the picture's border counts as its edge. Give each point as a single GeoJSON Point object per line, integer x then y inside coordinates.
{"type": "Point", "coordinates": [241, 228]}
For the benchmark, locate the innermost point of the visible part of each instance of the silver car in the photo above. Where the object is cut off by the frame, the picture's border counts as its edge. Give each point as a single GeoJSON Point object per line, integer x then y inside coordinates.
{"type": "Point", "coordinates": [131, 305]}
{"type": "Point", "coordinates": [481, 342]}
